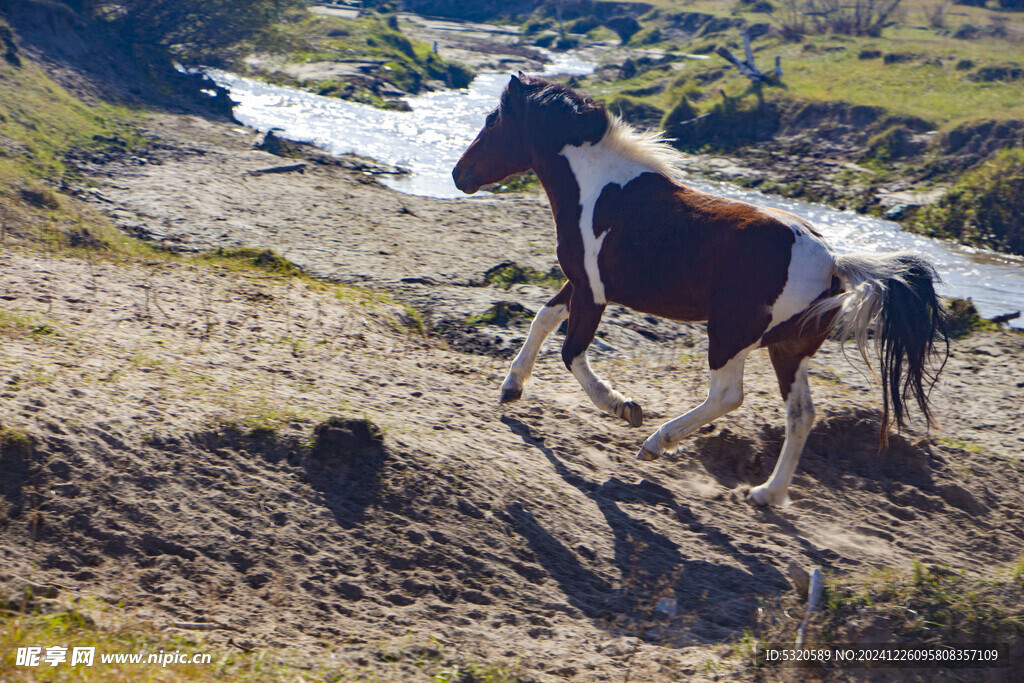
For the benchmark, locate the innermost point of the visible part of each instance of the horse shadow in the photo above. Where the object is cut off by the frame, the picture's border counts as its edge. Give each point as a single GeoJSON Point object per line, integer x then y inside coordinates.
{"type": "Point", "coordinates": [718, 599]}
{"type": "Point", "coordinates": [345, 465]}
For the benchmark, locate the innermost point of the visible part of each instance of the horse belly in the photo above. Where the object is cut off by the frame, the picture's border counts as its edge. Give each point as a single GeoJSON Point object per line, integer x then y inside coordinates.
{"type": "Point", "coordinates": [662, 280]}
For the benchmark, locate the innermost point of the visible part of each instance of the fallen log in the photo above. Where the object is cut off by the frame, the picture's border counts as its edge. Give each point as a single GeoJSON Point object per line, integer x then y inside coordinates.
{"type": "Point", "coordinates": [747, 66]}
{"type": "Point", "coordinates": [1005, 318]}
{"type": "Point", "coordinates": [289, 168]}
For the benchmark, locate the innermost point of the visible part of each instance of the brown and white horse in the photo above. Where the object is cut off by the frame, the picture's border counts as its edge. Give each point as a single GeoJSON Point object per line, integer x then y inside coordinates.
{"type": "Point", "coordinates": [630, 234]}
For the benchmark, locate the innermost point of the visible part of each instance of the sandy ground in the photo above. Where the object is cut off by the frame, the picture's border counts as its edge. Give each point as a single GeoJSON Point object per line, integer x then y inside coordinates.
{"type": "Point", "coordinates": [175, 469]}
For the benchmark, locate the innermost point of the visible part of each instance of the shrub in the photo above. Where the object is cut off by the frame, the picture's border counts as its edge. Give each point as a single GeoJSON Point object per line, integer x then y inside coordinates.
{"type": "Point", "coordinates": [624, 27]}
{"type": "Point", "coordinates": [984, 208]}
{"type": "Point", "coordinates": [638, 113]}
{"type": "Point", "coordinates": [963, 318]}
{"type": "Point", "coordinates": [679, 116]}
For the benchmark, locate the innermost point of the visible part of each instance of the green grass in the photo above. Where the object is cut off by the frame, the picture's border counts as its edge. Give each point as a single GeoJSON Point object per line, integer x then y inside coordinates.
{"type": "Point", "coordinates": [91, 623]}
{"type": "Point", "coordinates": [827, 68]}
{"type": "Point", "coordinates": [40, 121]}
{"type": "Point", "coordinates": [926, 605]}
{"type": "Point", "coordinates": [72, 628]}
{"type": "Point", "coordinates": [984, 208]}
{"type": "Point", "coordinates": [18, 324]}
{"type": "Point", "coordinates": [305, 38]}
{"type": "Point", "coordinates": [508, 274]}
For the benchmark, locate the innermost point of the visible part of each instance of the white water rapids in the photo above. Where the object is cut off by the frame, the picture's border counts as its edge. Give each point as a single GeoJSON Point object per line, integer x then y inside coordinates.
{"type": "Point", "coordinates": [429, 139]}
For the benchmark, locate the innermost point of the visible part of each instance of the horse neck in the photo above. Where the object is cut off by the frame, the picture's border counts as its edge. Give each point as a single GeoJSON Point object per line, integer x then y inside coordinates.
{"type": "Point", "coordinates": [575, 174]}
{"type": "Point", "coordinates": [556, 177]}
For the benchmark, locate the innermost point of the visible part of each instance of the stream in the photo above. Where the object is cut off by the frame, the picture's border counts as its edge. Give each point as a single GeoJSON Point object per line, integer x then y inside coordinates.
{"type": "Point", "coordinates": [429, 140]}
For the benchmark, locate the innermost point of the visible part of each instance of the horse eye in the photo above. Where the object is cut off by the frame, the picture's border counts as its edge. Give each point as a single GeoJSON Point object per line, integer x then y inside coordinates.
{"type": "Point", "coordinates": [492, 118]}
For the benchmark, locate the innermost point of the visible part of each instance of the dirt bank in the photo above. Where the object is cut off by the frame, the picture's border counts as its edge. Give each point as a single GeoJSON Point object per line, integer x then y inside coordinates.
{"type": "Point", "coordinates": [170, 461]}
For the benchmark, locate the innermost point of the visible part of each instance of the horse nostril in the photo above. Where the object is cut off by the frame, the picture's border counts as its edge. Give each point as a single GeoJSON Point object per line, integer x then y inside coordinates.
{"type": "Point", "coordinates": [463, 179]}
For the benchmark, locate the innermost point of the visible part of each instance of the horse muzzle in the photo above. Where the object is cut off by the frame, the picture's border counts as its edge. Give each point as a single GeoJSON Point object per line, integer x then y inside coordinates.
{"type": "Point", "coordinates": [464, 180]}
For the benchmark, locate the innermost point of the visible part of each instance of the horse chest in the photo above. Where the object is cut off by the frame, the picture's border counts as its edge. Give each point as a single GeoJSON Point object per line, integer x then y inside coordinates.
{"type": "Point", "coordinates": [594, 169]}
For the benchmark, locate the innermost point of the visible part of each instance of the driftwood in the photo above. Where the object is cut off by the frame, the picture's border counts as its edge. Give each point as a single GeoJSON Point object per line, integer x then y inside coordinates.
{"type": "Point", "coordinates": [747, 67]}
{"type": "Point", "coordinates": [816, 586]}
{"type": "Point", "coordinates": [299, 167]}
{"type": "Point", "coordinates": [1005, 318]}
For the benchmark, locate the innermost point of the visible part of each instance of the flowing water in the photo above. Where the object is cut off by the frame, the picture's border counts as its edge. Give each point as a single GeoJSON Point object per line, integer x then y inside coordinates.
{"type": "Point", "coordinates": [429, 139]}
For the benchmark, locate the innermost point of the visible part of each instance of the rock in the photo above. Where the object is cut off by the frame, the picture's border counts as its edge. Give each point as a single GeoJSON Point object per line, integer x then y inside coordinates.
{"type": "Point", "coordinates": [900, 57]}
{"type": "Point", "coordinates": [800, 578]}
{"type": "Point", "coordinates": [1004, 72]}
{"type": "Point", "coordinates": [272, 142]}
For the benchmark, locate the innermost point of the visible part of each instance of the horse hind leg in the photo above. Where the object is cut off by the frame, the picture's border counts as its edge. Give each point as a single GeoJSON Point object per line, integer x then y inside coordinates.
{"type": "Point", "coordinates": [584, 317]}
{"type": "Point", "coordinates": [547, 320]}
{"type": "Point", "coordinates": [791, 370]}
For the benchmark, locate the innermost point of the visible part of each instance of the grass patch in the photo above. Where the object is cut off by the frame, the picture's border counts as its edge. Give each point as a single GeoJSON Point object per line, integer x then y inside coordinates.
{"type": "Point", "coordinates": [17, 324]}
{"type": "Point", "coordinates": [961, 444]}
{"type": "Point", "coordinates": [72, 628]}
{"type": "Point", "coordinates": [306, 38]}
{"type": "Point", "coordinates": [248, 259]}
{"type": "Point", "coordinates": [14, 444]}
{"type": "Point", "coordinates": [828, 67]}
{"type": "Point", "coordinates": [963, 319]}
{"type": "Point", "coordinates": [518, 182]}
{"type": "Point", "coordinates": [929, 605]}
{"type": "Point", "coordinates": [984, 208]}
{"type": "Point", "coordinates": [40, 122]}
{"type": "Point", "coordinates": [507, 274]}
{"type": "Point", "coordinates": [92, 624]}
{"type": "Point", "coordinates": [500, 314]}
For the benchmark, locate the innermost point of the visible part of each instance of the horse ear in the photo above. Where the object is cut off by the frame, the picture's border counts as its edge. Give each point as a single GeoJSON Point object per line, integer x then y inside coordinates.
{"type": "Point", "coordinates": [515, 86]}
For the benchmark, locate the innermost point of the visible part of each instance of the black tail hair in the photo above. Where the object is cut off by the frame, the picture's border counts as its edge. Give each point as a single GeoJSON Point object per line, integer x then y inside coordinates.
{"type": "Point", "coordinates": [911, 323]}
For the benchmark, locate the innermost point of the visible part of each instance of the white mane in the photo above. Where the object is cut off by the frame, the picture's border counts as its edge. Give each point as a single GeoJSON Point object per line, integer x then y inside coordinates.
{"type": "Point", "coordinates": [647, 148]}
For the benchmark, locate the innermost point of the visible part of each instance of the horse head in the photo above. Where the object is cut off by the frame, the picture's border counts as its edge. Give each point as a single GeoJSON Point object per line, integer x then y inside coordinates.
{"type": "Point", "coordinates": [500, 148]}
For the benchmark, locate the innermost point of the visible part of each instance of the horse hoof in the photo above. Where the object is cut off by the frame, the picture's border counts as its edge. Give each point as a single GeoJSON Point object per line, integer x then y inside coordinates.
{"type": "Point", "coordinates": [646, 454]}
{"type": "Point", "coordinates": [761, 496]}
{"type": "Point", "coordinates": [510, 395]}
{"type": "Point", "coordinates": [633, 413]}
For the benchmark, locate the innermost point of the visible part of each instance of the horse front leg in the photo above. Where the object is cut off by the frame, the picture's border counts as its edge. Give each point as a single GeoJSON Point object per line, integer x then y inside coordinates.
{"type": "Point", "coordinates": [584, 317]}
{"type": "Point", "coordinates": [724, 395]}
{"type": "Point", "coordinates": [547, 320]}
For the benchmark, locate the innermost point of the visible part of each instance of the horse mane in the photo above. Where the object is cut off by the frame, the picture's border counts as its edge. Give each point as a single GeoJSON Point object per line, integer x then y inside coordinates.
{"type": "Point", "coordinates": [647, 148]}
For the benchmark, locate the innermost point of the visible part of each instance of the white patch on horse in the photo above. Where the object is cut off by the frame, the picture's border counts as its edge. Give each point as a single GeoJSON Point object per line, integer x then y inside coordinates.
{"type": "Point", "coordinates": [811, 266]}
{"type": "Point", "coordinates": [547, 321]}
{"type": "Point", "coordinates": [799, 419]}
{"type": "Point", "coordinates": [595, 166]}
{"type": "Point", "coordinates": [600, 392]}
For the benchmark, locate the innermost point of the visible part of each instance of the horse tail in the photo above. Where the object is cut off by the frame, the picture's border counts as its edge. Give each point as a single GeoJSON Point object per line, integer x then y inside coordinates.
{"type": "Point", "coordinates": [891, 297]}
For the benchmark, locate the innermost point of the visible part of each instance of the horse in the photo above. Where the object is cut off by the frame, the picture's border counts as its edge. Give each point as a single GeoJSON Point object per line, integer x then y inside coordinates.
{"type": "Point", "coordinates": [628, 232]}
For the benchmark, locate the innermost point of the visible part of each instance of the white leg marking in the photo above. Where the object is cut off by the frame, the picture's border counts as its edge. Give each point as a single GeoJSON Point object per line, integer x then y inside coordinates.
{"type": "Point", "coordinates": [546, 321]}
{"type": "Point", "coordinates": [595, 166]}
{"type": "Point", "coordinates": [599, 391]}
{"type": "Point", "coordinates": [724, 395]}
{"type": "Point", "coordinates": [799, 419]}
